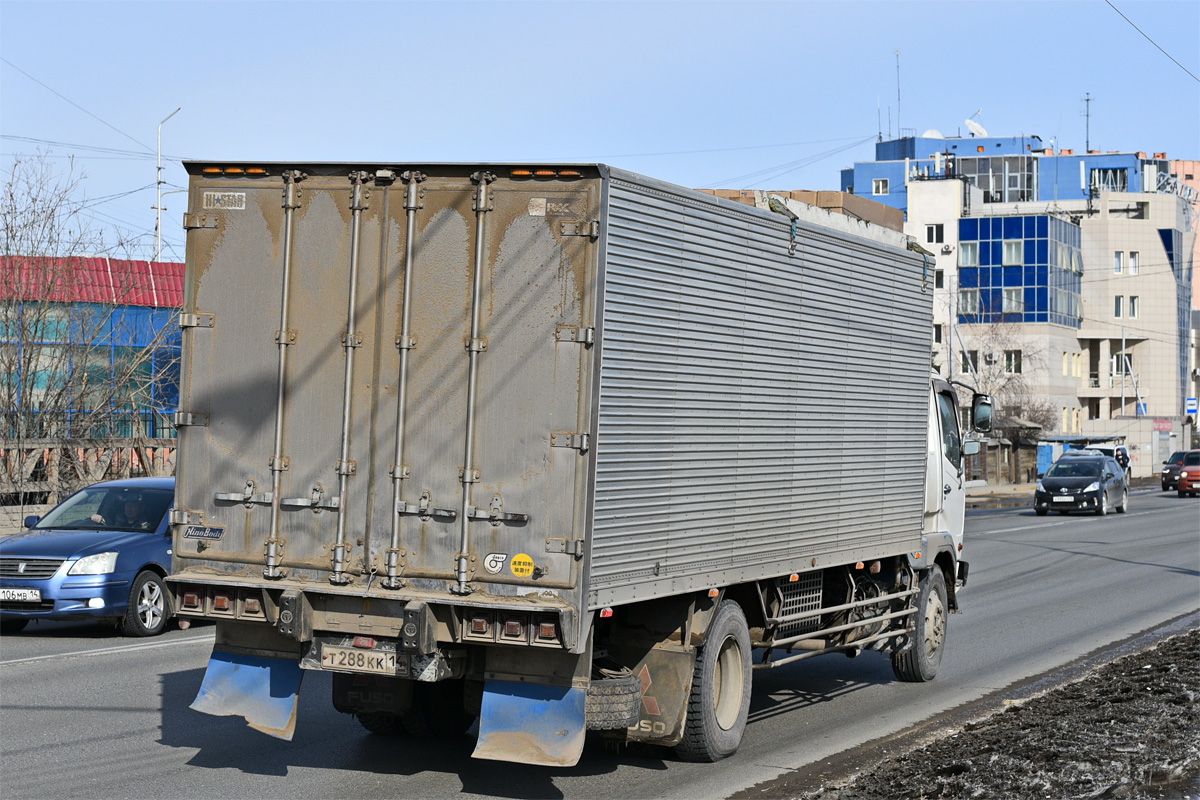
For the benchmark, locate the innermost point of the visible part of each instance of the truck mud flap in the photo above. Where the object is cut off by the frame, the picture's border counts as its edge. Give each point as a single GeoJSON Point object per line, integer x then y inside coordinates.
{"type": "Point", "coordinates": [263, 690]}
{"type": "Point", "coordinates": [531, 724]}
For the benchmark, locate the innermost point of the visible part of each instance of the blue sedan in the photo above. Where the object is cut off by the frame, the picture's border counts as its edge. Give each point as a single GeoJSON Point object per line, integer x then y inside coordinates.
{"type": "Point", "coordinates": [100, 554]}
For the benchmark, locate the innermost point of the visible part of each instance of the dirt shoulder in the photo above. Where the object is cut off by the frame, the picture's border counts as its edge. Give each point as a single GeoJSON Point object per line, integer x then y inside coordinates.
{"type": "Point", "coordinates": [1129, 728]}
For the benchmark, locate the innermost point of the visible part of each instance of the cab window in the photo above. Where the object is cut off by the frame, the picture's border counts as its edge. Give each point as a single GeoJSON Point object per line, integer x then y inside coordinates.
{"type": "Point", "coordinates": [947, 408]}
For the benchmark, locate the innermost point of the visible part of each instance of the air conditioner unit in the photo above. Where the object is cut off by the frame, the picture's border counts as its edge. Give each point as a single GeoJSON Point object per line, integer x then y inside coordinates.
{"type": "Point", "coordinates": [946, 249]}
{"type": "Point", "coordinates": [989, 358]}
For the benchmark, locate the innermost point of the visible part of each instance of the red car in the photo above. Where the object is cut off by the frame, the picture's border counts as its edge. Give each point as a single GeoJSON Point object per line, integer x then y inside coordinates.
{"type": "Point", "coordinates": [1189, 474]}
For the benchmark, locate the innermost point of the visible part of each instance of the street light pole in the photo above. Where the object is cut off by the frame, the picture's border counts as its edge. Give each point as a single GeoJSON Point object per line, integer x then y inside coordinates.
{"type": "Point", "coordinates": [158, 205]}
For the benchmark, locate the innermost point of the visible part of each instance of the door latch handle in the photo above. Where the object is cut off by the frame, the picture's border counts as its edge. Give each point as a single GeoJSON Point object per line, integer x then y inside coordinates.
{"type": "Point", "coordinates": [946, 490]}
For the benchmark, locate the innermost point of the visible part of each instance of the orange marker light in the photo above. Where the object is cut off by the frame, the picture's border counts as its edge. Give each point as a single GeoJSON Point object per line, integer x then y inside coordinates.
{"type": "Point", "coordinates": [212, 170]}
{"type": "Point", "coordinates": [605, 613]}
{"type": "Point", "coordinates": [793, 578]}
{"type": "Point", "coordinates": [859, 565]}
{"type": "Point", "coordinates": [521, 173]}
{"type": "Point", "coordinates": [234, 171]}
{"type": "Point", "coordinates": [256, 171]}
{"type": "Point", "coordinates": [713, 592]}
{"type": "Point", "coordinates": [545, 173]}
{"type": "Point", "coordinates": [569, 173]}
{"type": "Point", "coordinates": [917, 556]}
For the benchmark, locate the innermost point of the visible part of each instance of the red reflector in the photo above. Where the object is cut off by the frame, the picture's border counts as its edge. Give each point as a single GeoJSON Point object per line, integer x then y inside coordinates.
{"type": "Point", "coordinates": [513, 627]}
{"type": "Point", "coordinates": [253, 606]}
{"type": "Point", "coordinates": [191, 600]}
{"type": "Point", "coordinates": [547, 630]}
{"type": "Point", "coordinates": [365, 642]}
{"type": "Point", "coordinates": [221, 603]}
{"type": "Point", "coordinates": [480, 624]}
{"type": "Point", "coordinates": [605, 613]}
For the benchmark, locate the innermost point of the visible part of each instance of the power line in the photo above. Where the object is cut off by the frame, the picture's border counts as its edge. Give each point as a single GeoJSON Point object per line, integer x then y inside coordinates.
{"type": "Point", "coordinates": [725, 149]}
{"type": "Point", "coordinates": [1151, 41]}
{"type": "Point", "coordinates": [72, 102]}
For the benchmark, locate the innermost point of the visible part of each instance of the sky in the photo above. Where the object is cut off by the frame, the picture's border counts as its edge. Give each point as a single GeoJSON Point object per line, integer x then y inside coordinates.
{"type": "Point", "coordinates": [740, 95]}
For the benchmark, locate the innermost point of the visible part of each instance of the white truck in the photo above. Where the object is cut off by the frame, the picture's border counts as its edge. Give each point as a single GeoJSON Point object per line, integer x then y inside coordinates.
{"type": "Point", "coordinates": [551, 447]}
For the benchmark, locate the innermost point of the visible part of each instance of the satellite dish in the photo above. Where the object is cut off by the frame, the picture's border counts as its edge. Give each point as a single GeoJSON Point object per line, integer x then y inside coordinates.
{"type": "Point", "coordinates": [932, 133]}
{"type": "Point", "coordinates": [975, 128]}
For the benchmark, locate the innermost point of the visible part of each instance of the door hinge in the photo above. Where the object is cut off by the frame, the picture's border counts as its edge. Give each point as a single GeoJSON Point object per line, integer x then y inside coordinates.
{"type": "Point", "coordinates": [570, 546]}
{"type": "Point", "coordinates": [193, 418]}
{"type": "Point", "coordinates": [576, 441]}
{"type": "Point", "coordinates": [181, 516]}
{"type": "Point", "coordinates": [588, 229]}
{"type": "Point", "coordinates": [575, 333]}
{"type": "Point", "coordinates": [193, 221]}
{"type": "Point", "coordinates": [201, 319]}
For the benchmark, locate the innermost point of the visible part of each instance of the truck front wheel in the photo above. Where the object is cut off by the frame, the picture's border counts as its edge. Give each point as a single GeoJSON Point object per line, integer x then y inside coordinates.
{"type": "Point", "coordinates": [920, 662]}
{"type": "Point", "coordinates": [720, 698]}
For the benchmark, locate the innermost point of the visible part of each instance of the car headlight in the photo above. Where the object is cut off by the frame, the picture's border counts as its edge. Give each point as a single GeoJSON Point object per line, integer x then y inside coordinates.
{"type": "Point", "coordinates": [1184, 474]}
{"type": "Point", "coordinates": [1093, 486]}
{"type": "Point", "coordinates": [99, 564]}
{"type": "Point", "coordinates": [1040, 488]}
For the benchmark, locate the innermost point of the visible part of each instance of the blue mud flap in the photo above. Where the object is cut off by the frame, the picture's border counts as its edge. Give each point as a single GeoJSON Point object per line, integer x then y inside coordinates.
{"type": "Point", "coordinates": [531, 724]}
{"type": "Point", "coordinates": [263, 690]}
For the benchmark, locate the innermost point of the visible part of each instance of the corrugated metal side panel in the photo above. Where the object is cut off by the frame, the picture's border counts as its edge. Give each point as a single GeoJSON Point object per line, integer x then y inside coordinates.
{"type": "Point", "coordinates": [757, 410]}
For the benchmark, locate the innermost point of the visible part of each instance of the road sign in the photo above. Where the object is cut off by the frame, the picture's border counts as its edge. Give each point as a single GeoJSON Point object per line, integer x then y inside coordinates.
{"type": "Point", "coordinates": [1190, 404]}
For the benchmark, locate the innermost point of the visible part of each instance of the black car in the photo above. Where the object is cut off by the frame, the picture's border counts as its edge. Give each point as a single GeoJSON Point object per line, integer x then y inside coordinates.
{"type": "Point", "coordinates": [1082, 483]}
{"type": "Point", "coordinates": [1170, 471]}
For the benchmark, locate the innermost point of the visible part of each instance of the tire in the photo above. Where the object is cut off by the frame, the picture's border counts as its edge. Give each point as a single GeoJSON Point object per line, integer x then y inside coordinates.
{"type": "Point", "coordinates": [381, 723]}
{"type": "Point", "coordinates": [149, 606]}
{"type": "Point", "coordinates": [13, 625]}
{"type": "Point", "coordinates": [920, 662]}
{"type": "Point", "coordinates": [1041, 512]}
{"type": "Point", "coordinates": [721, 681]}
{"type": "Point", "coordinates": [1121, 509]}
{"type": "Point", "coordinates": [437, 710]}
{"type": "Point", "coordinates": [1182, 493]}
{"type": "Point", "coordinates": [1102, 509]}
{"type": "Point", "coordinates": [613, 703]}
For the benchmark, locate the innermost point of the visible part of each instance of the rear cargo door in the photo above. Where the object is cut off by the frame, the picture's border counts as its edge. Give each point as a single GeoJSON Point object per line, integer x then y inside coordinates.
{"type": "Point", "coordinates": [356, 466]}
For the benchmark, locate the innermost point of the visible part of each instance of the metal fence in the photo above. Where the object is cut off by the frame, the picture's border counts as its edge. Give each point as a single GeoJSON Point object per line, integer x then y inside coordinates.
{"type": "Point", "coordinates": [41, 471]}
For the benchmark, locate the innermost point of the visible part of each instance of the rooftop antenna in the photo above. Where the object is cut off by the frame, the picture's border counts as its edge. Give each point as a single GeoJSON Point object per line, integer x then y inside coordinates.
{"type": "Point", "coordinates": [878, 119]}
{"type": "Point", "coordinates": [1087, 113]}
{"type": "Point", "coordinates": [974, 127]}
{"type": "Point", "coordinates": [898, 133]}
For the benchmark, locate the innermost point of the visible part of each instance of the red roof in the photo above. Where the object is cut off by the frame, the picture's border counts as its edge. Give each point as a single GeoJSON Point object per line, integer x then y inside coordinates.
{"type": "Point", "coordinates": [92, 279]}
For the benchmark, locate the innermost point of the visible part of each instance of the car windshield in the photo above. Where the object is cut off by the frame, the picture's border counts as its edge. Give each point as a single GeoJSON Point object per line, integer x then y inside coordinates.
{"type": "Point", "coordinates": [129, 508]}
{"type": "Point", "coordinates": [1075, 468]}
{"type": "Point", "coordinates": [1191, 459]}
{"type": "Point", "coordinates": [1176, 457]}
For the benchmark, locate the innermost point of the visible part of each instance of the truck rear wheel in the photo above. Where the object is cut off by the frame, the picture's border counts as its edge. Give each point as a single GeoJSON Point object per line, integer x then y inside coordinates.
{"type": "Point", "coordinates": [438, 710]}
{"type": "Point", "coordinates": [721, 681]}
{"type": "Point", "coordinates": [920, 662]}
{"type": "Point", "coordinates": [613, 703]}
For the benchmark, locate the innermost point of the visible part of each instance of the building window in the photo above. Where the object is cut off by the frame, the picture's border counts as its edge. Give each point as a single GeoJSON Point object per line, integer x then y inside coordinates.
{"type": "Point", "coordinates": [1118, 262]}
{"type": "Point", "coordinates": [968, 301]}
{"type": "Point", "coordinates": [970, 360]}
{"type": "Point", "coordinates": [1118, 306]}
{"type": "Point", "coordinates": [1012, 252]}
{"type": "Point", "coordinates": [1014, 301]}
{"type": "Point", "coordinates": [939, 279]}
{"type": "Point", "coordinates": [1134, 306]}
{"type": "Point", "coordinates": [1134, 266]}
{"type": "Point", "coordinates": [1121, 364]}
{"type": "Point", "coordinates": [1012, 362]}
{"type": "Point", "coordinates": [968, 254]}
{"type": "Point", "coordinates": [937, 334]}
{"type": "Point", "coordinates": [1066, 363]}
{"type": "Point", "coordinates": [880, 186]}
{"type": "Point", "coordinates": [934, 233]}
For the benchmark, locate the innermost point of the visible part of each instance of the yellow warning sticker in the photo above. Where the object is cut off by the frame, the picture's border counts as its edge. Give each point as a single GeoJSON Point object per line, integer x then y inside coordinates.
{"type": "Point", "coordinates": [521, 565]}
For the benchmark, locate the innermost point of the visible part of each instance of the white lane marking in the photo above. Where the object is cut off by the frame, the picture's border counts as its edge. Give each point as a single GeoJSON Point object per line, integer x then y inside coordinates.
{"type": "Point", "coordinates": [208, 639]}
{"type": "Point", "coordinates": [1027, 527]}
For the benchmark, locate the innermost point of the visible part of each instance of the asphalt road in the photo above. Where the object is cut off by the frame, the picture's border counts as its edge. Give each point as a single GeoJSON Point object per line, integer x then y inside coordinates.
{"type": "Point", "coordinates": [85, 713]}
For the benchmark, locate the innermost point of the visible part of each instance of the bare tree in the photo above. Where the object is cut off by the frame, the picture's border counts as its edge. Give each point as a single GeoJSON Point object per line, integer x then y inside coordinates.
{"type": "Point", "coordinates": [79, 365]}
{"type": "Point", "coordinates": [1001, 359]}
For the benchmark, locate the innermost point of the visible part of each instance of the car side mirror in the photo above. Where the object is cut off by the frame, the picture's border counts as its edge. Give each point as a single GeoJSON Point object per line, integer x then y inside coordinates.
{"type": "Point", "coordinates": [981, 413]}
{"type": "Point", "coordinates": [32, 520]}
{"type": "Point", "coordinates": [1041, 475]}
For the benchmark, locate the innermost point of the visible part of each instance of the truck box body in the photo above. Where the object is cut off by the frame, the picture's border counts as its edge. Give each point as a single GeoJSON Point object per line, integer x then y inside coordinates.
{"type": "Point", "coordinates": [673, 391]}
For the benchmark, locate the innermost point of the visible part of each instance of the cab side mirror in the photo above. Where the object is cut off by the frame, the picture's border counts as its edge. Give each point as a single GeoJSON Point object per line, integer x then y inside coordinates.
{"type": "Point", "coordinates": [970, 447]}
{"type": "Point", "coordinates": [981, 413]}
